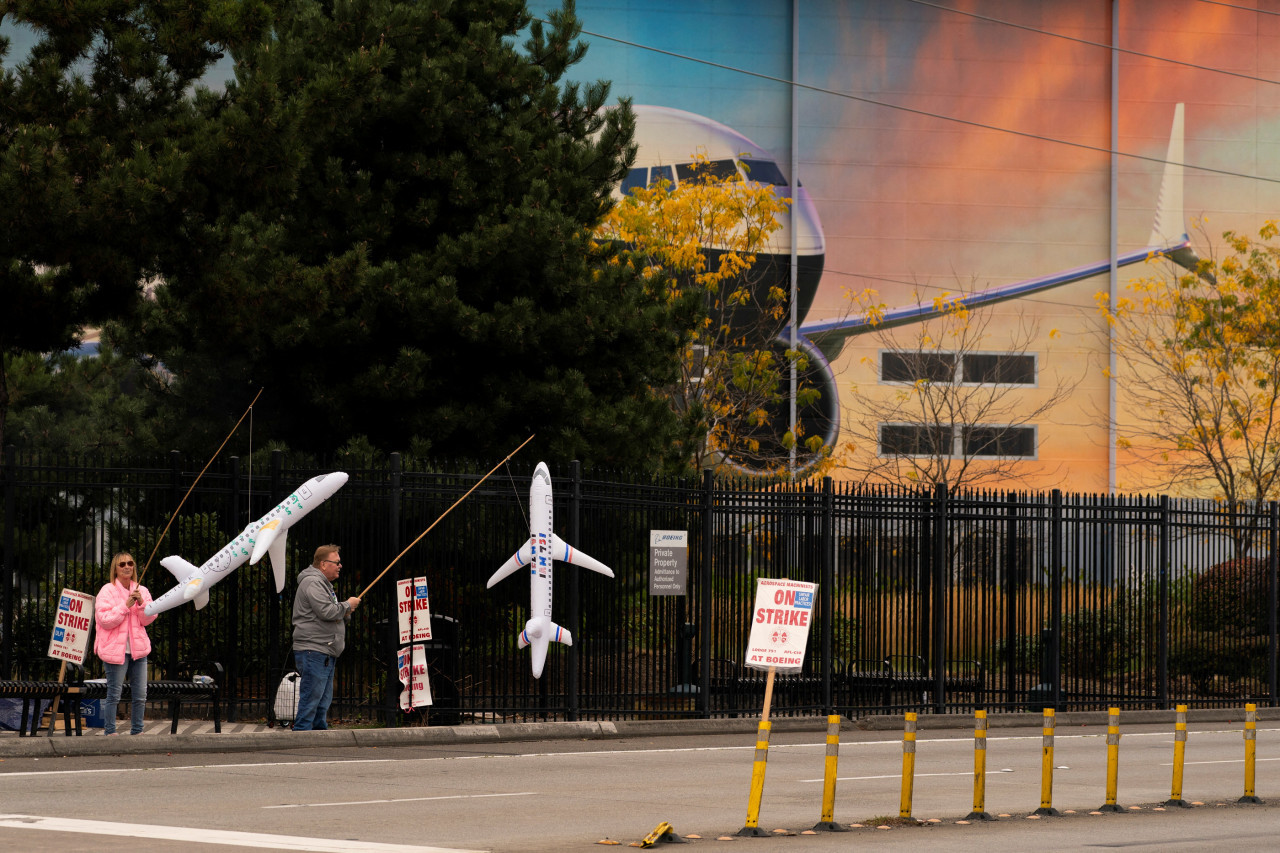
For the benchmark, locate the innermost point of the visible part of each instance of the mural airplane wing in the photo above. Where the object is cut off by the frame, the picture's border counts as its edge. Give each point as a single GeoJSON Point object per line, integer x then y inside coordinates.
{"type": "Point", "coordinates": [1168, 239]}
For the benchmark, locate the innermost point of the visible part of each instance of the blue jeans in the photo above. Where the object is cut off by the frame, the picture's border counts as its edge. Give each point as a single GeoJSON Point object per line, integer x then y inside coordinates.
{"type": "Point", "coordinates": [315, 690]}
{"type": "Point", "coordinates": [136, 670]}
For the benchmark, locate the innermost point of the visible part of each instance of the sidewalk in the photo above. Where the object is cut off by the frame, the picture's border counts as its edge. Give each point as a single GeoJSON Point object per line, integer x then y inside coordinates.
{"type": "Point", "coordinates": [198, 736]}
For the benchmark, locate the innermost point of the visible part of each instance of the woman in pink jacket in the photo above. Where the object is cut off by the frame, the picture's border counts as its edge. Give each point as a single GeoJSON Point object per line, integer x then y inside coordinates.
{"type": "Point", "coordinates": [122, 640]}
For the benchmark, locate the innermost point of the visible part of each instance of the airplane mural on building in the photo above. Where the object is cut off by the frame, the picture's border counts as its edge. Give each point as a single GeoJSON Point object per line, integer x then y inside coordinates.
{"type": "Point", "coordinates": [667, 140]}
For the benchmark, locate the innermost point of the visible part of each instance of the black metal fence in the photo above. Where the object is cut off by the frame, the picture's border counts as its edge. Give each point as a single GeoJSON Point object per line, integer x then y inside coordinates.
{"type": "Point", "coordinates": [926, 601]}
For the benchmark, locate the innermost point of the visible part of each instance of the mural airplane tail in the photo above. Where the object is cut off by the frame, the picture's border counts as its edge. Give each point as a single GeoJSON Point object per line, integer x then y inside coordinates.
{"type": "Point", "coordinates": [1168, 239]}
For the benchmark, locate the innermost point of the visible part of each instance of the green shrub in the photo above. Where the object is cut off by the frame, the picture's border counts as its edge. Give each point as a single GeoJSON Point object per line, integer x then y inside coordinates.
{"type": "Point", "coordinates": [1202, 656]}
{"type": "Point", "coordinates": [1232, 597]}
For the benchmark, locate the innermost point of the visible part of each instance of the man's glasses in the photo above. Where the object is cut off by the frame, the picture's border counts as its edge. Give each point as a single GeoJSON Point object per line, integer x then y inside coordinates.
{"type": "Point", "coordinates": [335, 562]}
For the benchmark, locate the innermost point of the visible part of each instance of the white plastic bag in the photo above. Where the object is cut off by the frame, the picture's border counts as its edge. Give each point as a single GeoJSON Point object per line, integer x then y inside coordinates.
{"type": "Point", "coordinates": [286, 707]}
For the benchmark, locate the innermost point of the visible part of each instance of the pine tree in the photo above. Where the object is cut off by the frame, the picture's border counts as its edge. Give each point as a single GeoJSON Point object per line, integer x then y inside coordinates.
{"type": "Point", "coordinates": [405, 252]}
{"type": "Point", "coordinates": [97, 144]}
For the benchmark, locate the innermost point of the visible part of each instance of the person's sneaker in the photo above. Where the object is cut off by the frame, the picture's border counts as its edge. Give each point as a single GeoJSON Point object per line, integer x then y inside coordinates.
{"type": "Point", "coordinates": [111, 734]}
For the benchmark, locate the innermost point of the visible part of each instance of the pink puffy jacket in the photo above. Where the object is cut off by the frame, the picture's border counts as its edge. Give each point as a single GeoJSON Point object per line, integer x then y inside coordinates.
{"type": "Point", "coordinates": [115, 622]}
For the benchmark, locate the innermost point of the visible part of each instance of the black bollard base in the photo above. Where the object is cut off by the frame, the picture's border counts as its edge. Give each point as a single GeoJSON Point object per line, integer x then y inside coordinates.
{"type": "Point", "coordinates": [829, 826]}
{"type": "Point", "coordinates": [753, 832]}
{"type": "Point", "coordinates": [1256, 800]}
{"type": "Point", "coordinates": [1110, 807]}
{"type": "Point", "coordinates": [978, 816]}
{"type": "Point", "coordinates": [1176, 804]}
{"type": "Point", "coordinates": [1045, 811]}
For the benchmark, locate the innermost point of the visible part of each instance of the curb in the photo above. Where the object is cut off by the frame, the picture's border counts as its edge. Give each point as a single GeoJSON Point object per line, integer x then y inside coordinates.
{"type": "Point", "coordinates": [59, 746]}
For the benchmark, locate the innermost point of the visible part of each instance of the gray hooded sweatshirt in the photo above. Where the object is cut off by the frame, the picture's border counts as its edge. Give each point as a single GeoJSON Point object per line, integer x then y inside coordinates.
{"type": "Point", "coordinates": [319, 618]}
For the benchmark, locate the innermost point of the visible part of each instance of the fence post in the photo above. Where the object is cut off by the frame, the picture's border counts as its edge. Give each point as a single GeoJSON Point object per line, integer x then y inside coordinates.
{"type": "Point", "coordinates": [827, 591]}
{"type": "Point", "coordinates": [1011, 596]}
{"type": "Point", "coordinates": [274, 667]}
{"type": "Point", "coordinates": [1055, 607]}
{"type": "Point", "coordinates": [1250, 753]}
{"type": "Point", "coordinates": [7, 577]}
{"type": "Point", "coordinates": [1113, 760]}
{"type": "Point", "coordinates": [908, 764]}
{"type": "Point", "coordinates": [705, 592]}
{"type": "Point", "coordinates": [391, 696]}
{"type": "Point", "coordinates": [232, 654]}
{"type": "Point", "coordinates": [979, 767]}
{"type": "Point", "coordinates": [1046, 764]}
{"type": "Point", "coordinates": [1162, 638]}
{"type": "Point", "coordinates": [1179, 758]}
{"type": "Point", "coordinates": [575, 591]}
{"type": "Point", "coordinates": [10, 570]}
{"type": "Point", "coordinates": [938, 612]}
{"type": "Point", "coordinates": [1273, 563]}
{"type": "Point", "coordinates": [175, 498]}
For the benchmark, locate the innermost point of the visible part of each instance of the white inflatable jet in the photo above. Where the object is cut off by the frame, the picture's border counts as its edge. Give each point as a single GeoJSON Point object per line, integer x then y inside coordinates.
{"type": "Point", "coordinates": [267, 535]}
{"type": "Point", "coordinates": [539, 553]}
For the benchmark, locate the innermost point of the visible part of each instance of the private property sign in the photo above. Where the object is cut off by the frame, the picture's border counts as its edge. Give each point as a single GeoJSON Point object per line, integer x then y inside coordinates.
{"type": "Point", "coordinates": [668, 562]}
{"type": "Point", "coordinates": [70, 640]}
{"type": "Point", "coordinates": [780, 624]}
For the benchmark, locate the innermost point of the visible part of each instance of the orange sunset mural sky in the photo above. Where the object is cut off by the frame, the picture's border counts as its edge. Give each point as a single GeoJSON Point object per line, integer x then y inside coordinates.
{"type": "Point", "coordinates": [967, 144]}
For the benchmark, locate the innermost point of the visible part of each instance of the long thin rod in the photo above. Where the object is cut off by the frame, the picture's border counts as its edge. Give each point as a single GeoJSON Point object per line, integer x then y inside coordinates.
{"type": "Point", "coordinates": [193, 484]}
{"type": "Point", "coordinates": [443, 514]}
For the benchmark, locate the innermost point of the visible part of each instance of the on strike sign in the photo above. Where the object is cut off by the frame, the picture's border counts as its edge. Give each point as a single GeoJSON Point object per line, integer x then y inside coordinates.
{"type": "Point", "coordinates": [780, 624]}
{"type": "Point", "coordinates": [414, 609]}
{"type": "Point", "coordinates": [412, 663]}
{"type": "Point", "coordinates": [70, 640]}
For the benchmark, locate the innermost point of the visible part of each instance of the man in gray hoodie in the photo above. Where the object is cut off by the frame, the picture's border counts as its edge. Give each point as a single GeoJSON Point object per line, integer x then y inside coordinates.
{"type": "Point", "coordinates": [319, 635]}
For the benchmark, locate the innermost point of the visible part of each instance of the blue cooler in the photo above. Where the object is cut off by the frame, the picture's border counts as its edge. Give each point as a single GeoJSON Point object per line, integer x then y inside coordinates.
{"type": "Point", "coordinates": [91, 713]}
{"type": "Point", "coordinates": [91, 709]}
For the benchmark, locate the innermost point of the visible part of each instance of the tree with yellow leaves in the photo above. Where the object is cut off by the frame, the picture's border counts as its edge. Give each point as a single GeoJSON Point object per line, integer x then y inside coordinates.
{"type": "Point", "coordinates": [1198, 361]}
{"type": "Point", "coordinates": [955, 402]}
{"type": "Point", "coordinates": [701, 239]}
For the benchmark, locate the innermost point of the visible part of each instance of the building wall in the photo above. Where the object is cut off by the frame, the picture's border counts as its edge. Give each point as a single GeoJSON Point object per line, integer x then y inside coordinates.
{"type": "Point", "coordinates": [972, 147]}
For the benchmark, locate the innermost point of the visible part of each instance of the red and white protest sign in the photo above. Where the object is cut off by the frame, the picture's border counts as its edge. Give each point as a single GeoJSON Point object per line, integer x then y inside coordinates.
{"type": "Point", "coordinates": [70, 640]}
{"type": "Point", "coordinates": [780, 624]}
{"type": "Point", "coordinates": [413, 610]}
{"type": "Point", "coordinates": [417, 689]}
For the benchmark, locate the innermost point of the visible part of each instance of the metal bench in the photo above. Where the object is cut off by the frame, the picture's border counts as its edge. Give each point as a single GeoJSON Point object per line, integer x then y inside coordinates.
{"type": "Point", "coordinates": [32, 694]}
{"type": "Point", "coordinates": [739, 683]}
{"type": "Point", "coordinates": [911, 674]}
{"type": "Point", "coordinates": [186, 687]}
{"type": "Point", "coordinates": [881, 677]}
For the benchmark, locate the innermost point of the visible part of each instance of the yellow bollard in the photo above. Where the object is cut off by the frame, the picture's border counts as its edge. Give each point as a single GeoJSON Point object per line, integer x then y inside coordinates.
{"type": "Point", "coordinates": [752, 829]}
{"type": "Point", "coordinates": [1113, 760]}
{"type": "Point", "coordinates": [979, 767]}
{"type": "Point", "coordinates": [1250, 752]}
{"type": "Point", "coordinates": [1179, 758]}
{"type": "Point", "coordinates": [908, 763]}
{"type": "Point", "coordinates": [828, 823]}
{"type": "Point", "coordinates": [1046, 765]}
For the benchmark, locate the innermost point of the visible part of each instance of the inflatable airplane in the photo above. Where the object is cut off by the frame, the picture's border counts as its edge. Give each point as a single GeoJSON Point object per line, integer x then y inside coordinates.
{"type": "Point", "coordinates": [539, 554]}
{"type": "Point", "coordinates": [267, 535]}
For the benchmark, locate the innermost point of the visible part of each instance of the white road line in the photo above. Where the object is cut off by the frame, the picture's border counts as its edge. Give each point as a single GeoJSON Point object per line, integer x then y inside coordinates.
{"type": "Point", "coordinates": [889, 776]}
{"type": "Point", "coordinates": [398, 800]}
{"type": "Point", "coordinates": [1220, 761]}
{"type": "Point", "coordinates": [214, 836]}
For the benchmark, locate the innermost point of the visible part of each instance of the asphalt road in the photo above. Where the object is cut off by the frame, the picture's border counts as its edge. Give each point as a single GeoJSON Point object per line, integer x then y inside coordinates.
{"type": "Point", "coordinates": [570, 795]}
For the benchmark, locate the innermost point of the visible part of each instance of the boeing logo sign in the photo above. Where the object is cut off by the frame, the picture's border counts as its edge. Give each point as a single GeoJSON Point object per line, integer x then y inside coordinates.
{"type": "Point", "coordinates": [668, 562]}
